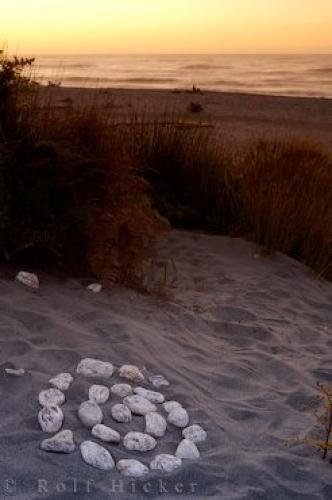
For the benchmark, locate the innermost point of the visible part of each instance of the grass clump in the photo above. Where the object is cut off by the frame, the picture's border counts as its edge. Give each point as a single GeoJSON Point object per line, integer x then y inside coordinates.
{"type": "Point", "coordinates": [287, 200]}
{"type": "Point", "coordinates": [68, 200]}
{"type": "Point", "coordinates": [195, 107]}
{"type": "Point", "coordinates": [193, 183]}
{"type": "Point", "coordinates": [321, 410]}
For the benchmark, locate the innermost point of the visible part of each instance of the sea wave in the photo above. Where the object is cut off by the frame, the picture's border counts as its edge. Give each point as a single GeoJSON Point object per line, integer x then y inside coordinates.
{"type": "Point", "coordinates": [328, 71]}
{"type": "Point", "coordinates": [205, 66]}
{"type": "Point", "coordinates": [62, 65]}
{"type": "Point", "coordinates": [120, 80]}
{"type": "Point", "coordinates": [283, 75]}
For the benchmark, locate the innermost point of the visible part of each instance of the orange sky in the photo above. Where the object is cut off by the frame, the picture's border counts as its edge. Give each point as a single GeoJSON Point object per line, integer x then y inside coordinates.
{"type": "Point", "coordinates": [166, 26]}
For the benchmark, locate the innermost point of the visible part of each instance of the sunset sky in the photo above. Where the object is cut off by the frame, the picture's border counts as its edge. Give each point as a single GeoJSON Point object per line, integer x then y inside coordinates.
{"type": "Point", "coordinates": [166, 26]}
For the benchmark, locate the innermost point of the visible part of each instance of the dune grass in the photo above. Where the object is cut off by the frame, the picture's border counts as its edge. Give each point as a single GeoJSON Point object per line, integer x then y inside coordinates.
{"type": "Point", "coordinates": [277, 194]}
{"type": "Point", "coordinates": [287, 201]}
{"type": "Point", "coordinates": [83, 193]}
{"type": "Point", "coordinates": [70, 198]}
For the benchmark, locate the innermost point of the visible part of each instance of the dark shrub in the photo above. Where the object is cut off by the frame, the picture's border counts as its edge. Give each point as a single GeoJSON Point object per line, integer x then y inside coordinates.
{"type": "Point", "coordinates": [68, 198]}
{"type": "Point", "coordinates": [195, 107]}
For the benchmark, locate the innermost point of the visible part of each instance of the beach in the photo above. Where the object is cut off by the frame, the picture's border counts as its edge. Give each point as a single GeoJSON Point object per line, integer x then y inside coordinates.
{"type": "Point", "coordinates": [239, 118]}
{"type": "Point", "coordinates": [243, 339]}
{"type": "Point", "coordinates": [166, 250]}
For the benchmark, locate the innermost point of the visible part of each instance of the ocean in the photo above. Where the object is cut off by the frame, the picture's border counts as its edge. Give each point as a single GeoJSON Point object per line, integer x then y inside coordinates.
{"type": "Point", "coordinates": [288, 75]}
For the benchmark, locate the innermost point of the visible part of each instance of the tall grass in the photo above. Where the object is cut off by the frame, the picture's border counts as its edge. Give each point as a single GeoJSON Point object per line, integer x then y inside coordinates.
{"type": "Point", "coordinates": [193, 181]}
{"type": "Point", "coordinates": [277, 194]}
{"type": "Point", "coordinates": [83, 192]}
{"type": "Point", "coordinates": [287, 200]}
{"type": "Point", "coordinates": [69, 196]}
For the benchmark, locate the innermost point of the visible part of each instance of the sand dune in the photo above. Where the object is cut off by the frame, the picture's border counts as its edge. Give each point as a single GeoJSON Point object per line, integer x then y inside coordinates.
{"type": "Point", "coordinates": [243, 340]}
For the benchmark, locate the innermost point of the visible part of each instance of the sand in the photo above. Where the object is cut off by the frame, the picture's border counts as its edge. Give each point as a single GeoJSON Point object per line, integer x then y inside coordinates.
{"type": "Point", "coordinates": [242, 338]}
{"type": "Point", "coordinates": [237, 117]}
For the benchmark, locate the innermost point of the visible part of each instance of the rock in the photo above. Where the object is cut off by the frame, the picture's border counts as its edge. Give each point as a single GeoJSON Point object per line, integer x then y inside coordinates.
{"type": "Point", "coordinates": [15, 372]}
{"type": "Point", "coordinates": [154, 397]}
{"type": "Point", "coordinates": [121, 390]}
{"type": "Point", "coordinates": [187, 449]}
{"type": "Point", "coordinates": [99, 394]}
{"type": "Point", "coordinates": [139, 405]}
{"type": "Point", "coordinates": [62, 381]}
{"type": "Point", "coordinates": [131, 372]}
{"type": "Point", "coordinates": [51, 397]}
{"type": "Point", "coordinates": [28, 279]}
{"type": "Point", "coordinates": [171, 405]}
{"type": "Point", "coordinates": [137, 441]}
{"type": "Point", "coordinates": [155, 424]}
{"type": "Point", "coordinates": [195, 433]}
{"type": "Point", "coordinates": [95, 287]}
{"type": "Point", "coordinates": [90, 414]}
{"type": "Point", "coordinates": [95, 368]}
{"type": "Point", "coordinates": [132, 468]}
{"type": "Point", "coordinates": [95, 455]}
{"type": "Point", "coordinates": [178, 417]}
{"type": "Point", "coordinates": [166, 463]}
{"type": "Point", "coordinates": [50, 419]}
{"type": "Point", "coordinates": [106, 433]}
{"type": "Point", "coordinates": [63, 442]}
{"type": "Point", "coordinates": [158, 381]}
{"type": "Point", "coordinates": [121, 413]}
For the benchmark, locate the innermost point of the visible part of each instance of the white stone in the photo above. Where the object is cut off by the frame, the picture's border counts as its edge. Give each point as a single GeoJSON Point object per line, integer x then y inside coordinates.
{"type": "Point", "coordinates": [154, 397]}
{"type": "Point", "coordinates": [28, 279]}
{"type": "Point", "coordinates": [63, 442]}
{"type": "Point", "coordinates": [166, 463]}
{"type": "Point", "coordinates": [95, 368]}
{"type": "Point", "coordinates": [95, 455]}
{"type": "Point", "coordinates": [99, 394]}
{"type": "Point", "coordinates": [15, 372]}
{"type": "Point", "coordinates": [121, 390]}
{"type": "Point", "coordinates": [187, 449]}
{"type": "Point", "coordinates": [95, 287]}
{"type": "Point", "coordinates": [137, 441]}
{"type": "Point", "coordinates": [50, 419]}
{"type": "Point", "coordinates": [155, 424]}
{"type": "Point", "coordinates": [62, 381]}
{"type": "Point", "coordinates": [106, 433]}
{"type": "Point", "coordinates": [121, 413]}
{"type": "Point", "coordinates": [131, 372]}
{"type": "Point", "coordinates": [158, 381]}
{"type": "Point", "coordinates": [132, 468]}
{"type": "Point", "coordinates": [51, 397]}
{"type": "Point", "coordinates": [90, 414]}
{"type": "Point", "coordinates": [139, 405]}
{"type": "Point", "coordinates": [195, 433]}
{"type": "Point", "coordinates": [171, 405]}
{"type": "Point", "coordinates": [178, 417]}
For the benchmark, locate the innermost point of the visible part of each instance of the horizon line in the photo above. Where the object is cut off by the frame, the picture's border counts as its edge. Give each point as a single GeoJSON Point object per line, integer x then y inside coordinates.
{"type": "Point", "coordinates": [183, 54]}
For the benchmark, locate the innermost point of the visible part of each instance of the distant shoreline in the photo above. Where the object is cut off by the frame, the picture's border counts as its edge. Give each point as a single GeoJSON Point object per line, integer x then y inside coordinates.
{"type": "Point", "coordinates": [242, 116]}
{"type": "Point", "coordinates": [187, 91]}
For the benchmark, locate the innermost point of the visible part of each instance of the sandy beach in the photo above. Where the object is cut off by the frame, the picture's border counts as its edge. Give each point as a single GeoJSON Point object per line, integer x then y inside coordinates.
{"type": "Point", "coordinates": [166, 250]}
{"type": "Point", "coordinates": [242, 339]}
{"type": "Point", "coordinates": [237, 117]}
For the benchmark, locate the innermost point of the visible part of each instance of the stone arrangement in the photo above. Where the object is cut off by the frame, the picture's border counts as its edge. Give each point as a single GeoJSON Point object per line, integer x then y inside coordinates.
{"type": "Point", "coordinates": [136, 401]}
